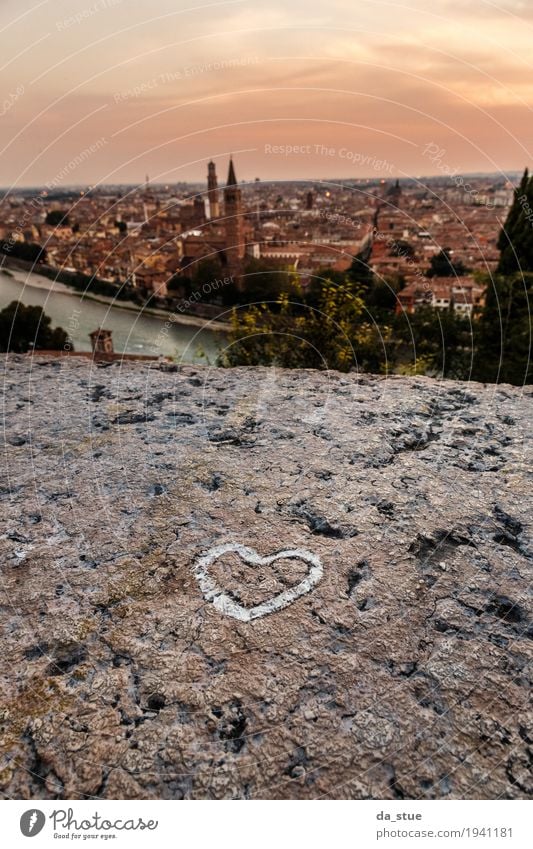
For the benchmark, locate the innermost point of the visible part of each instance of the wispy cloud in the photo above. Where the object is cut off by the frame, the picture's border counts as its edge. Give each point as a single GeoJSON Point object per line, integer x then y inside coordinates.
{"type": "Point", "coordinates": [182, 82]}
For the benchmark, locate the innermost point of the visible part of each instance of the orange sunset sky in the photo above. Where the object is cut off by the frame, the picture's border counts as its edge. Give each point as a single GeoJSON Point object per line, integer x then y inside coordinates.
{"type": "Point", "coordinates": [359, 88]}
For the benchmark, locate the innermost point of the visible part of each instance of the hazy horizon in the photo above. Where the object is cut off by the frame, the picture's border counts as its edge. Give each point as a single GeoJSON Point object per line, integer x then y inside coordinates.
{"type": "Point", "coordinates": [252, 181]}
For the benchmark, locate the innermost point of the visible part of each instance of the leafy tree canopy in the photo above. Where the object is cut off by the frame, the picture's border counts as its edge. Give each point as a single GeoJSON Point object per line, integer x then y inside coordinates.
{"type": "Point", "coordinates": [57, 218]}
{"type": "Point", "coordinates": [28, 251]}
{"type": "Point", "coordinates": [442, 265]}
{"type": "Point", "coordinates": [23, 328]}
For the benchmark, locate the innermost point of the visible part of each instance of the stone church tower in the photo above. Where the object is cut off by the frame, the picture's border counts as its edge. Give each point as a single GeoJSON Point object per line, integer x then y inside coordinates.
{"type": "Point", "coordinates": [234, 222]}
{"type": "Point", "coordinates": [212, 191]}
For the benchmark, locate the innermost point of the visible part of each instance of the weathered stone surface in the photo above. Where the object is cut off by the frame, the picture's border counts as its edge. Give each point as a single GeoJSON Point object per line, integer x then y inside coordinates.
{"type": "Point", "coordinates": [405, 672]}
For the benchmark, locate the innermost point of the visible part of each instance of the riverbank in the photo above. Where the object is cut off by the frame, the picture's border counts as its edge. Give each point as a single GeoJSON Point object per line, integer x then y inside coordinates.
{"type": "Point", "coordinates": [137, 332]}
{"type": "Point", "coordinates": [38, 281]}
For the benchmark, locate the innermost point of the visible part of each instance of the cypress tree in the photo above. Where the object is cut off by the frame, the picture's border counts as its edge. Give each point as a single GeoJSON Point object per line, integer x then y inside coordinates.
{"type": "Point", "coordinates": [503, 333]}
{"type": "Point", "coordinates": [516, 238]}
{"type": "Point", "coordinates": [503, 349]}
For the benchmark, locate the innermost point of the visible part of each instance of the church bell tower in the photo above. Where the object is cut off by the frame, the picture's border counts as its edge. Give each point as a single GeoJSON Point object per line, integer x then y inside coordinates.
{"type": "Point", "coordinates": [212, 191]}
{"type": "Point", "coordinates": [234, 221]}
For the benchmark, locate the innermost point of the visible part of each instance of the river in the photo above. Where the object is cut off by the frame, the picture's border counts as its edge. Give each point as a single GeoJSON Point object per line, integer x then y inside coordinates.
{"type": "Point", "coordinates": [133, 332]}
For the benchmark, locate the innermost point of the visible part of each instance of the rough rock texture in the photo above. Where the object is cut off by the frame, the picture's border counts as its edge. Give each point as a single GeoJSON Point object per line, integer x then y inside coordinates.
{"type": "Point", "coordinates": [403, 673]}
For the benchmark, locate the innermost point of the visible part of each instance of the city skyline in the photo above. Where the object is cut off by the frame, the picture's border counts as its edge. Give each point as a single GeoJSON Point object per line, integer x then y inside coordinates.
{"type": "Point", "coordinates": [353, 93]}
{"type": "Point", "coordinates": [346, 180]}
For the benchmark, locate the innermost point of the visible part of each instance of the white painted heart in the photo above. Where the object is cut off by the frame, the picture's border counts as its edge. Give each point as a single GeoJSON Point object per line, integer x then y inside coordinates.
{"type": "Point", "coordinates": [227, 605]}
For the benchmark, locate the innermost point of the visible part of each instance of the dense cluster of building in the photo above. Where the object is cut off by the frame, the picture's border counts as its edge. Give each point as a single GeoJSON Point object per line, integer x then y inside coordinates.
{"type": "Point", "coordinates": [145, 236]}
